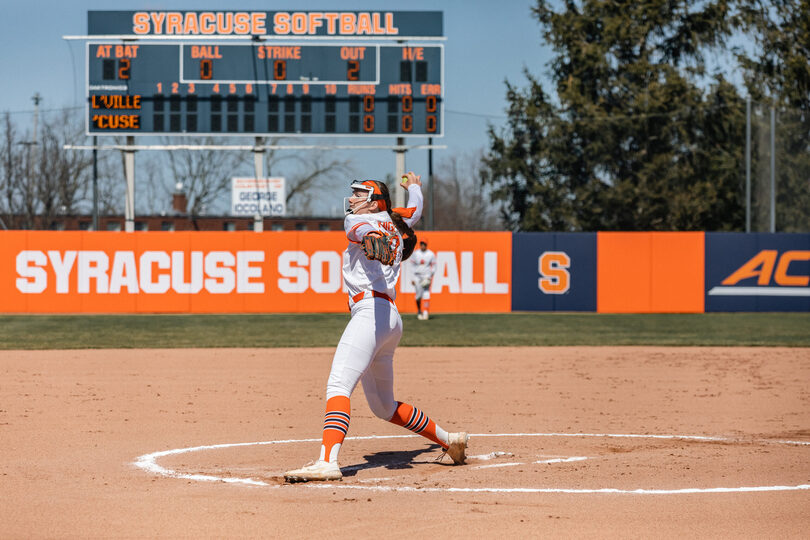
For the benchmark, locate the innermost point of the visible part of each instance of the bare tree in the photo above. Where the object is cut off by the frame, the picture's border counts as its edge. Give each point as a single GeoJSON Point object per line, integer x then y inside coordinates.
{"type": "Point", "coordinates": [26, 183]}
{"type": "Point", "coordinates": [40, 178]}
{"type": "Point", "coordinates": [153, 194]}
{"type": "Point", "coordinates": [305, 174]}
{"type": "Point", "coordinates": [205, 174]}
{"type": "Point", "coordinates": [11, 162]}
{"type": "Point", "coordinates": [62, 176]}
{"type": "Point", "coordinates": [461, 200]}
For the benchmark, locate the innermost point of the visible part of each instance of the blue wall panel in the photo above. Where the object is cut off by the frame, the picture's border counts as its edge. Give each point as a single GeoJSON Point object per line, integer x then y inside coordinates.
{"type": "Point", "coordinates": [570, 263]}
{"type": "Point", "coordinates": [777, 277]}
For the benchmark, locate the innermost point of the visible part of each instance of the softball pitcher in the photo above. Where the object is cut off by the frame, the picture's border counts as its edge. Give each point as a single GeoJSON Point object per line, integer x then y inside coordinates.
{"type": "Point", "coordinates": [380, 238]}
{"type": "Point", "coordinates": [424, 266]}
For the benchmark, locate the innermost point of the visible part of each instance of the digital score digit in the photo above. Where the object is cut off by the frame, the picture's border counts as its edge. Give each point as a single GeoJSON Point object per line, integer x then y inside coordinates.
{"type": "Point", "coordinates": [218, 88]}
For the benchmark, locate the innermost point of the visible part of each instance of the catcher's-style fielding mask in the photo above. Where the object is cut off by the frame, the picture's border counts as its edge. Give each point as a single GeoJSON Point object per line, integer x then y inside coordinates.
{"type": "Point", "coordinates": [372, 189]}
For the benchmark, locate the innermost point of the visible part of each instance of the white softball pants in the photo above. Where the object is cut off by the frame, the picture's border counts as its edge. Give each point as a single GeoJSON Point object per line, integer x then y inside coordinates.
{"type": "Point", "coordinates": [422, 293]}
{"type": "Point", "coordinates": [366, 353]}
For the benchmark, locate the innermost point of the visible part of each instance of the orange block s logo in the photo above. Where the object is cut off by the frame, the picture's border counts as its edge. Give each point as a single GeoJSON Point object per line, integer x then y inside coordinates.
{"type": "Point", "coordinates": [553, 267]}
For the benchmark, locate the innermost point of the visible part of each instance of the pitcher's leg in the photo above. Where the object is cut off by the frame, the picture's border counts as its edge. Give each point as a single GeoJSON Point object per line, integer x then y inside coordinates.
{"type": "Point", "coordinates": [352, 357]}
{"type": "Point", "coordinates": [420, 423]}
{"type": "Point", "coordinates": [378, 385]}
{"type": "Point", "coordinates": [335, 426]}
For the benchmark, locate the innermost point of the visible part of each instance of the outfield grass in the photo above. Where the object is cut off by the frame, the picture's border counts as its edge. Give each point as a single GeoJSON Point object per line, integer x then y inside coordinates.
{"type": "Point", "coordinates": [452, 330]}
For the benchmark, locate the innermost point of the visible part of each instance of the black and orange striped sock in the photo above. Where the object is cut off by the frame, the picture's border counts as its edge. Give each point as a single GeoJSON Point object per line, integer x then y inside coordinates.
{"type": "Point", "coordinates": [417, 421]}
{"type": "Point", "coordinates": [335, 426]}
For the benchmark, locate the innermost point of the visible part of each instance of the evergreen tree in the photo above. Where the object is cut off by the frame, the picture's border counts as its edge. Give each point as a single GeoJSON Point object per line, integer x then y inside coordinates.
{"type": "Point", "coordinates": [638, 137]}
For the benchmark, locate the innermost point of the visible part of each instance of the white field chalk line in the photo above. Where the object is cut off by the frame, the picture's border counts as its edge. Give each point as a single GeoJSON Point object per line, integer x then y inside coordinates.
{"type": "Point", "coordinates": [544, 461]}
{"type": "Point", "coordinates": [491, 455]}
{"type": "Point", "coordinates": [148, 462]}
{"type": "Point", "coordinates": [495, 465]}
{"type": "Point", "coordinates": [562, 460]}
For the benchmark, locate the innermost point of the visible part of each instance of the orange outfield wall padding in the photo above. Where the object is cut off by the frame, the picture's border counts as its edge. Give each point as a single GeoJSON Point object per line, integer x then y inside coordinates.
{"type": "Point", "coordinates": [650, 272]}
{"type": "Point", "coordinates": [231, 272]}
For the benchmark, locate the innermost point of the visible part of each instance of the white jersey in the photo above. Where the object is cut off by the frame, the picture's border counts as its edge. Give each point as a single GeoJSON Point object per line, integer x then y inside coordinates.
{"type": "Point", "coordinates": [363, 275]}
{"type": "Point", "coordinates": [424, 264]}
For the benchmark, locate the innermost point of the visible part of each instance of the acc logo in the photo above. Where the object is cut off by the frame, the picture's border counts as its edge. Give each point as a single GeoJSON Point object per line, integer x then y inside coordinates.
{"type": "Point", "coordinates": [553, 267]}
{"type": "Point", "coordinates": [767, 266]}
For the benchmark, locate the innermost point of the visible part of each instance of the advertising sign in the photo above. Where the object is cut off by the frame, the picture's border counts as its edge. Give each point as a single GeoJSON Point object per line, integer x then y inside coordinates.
{"type": "Point", "coordinates": [228, 272]}
{"type": "Point", "coordinates": [757, 272]}
{"type": "Point", "coordinates": [554, 272]}
{"type": "Point", "coordinates": [258, 196]}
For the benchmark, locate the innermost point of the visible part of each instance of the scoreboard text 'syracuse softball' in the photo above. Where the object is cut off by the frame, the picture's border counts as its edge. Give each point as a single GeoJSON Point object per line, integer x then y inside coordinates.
{"type": "Point", "coordinates": [274, 73]}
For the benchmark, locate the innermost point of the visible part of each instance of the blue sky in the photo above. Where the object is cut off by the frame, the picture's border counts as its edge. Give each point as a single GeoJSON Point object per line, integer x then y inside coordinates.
{"type": "Point", "coordinates": [487, 43]}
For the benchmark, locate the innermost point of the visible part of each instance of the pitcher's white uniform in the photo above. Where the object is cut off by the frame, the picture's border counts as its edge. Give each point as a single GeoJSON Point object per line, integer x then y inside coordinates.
{"type": "Point", "coordinates": [366, 348]}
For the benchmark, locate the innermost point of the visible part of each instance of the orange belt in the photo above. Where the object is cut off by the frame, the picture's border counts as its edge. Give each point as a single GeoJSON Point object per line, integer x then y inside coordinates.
{"type": "Point", "coordinates": [374, 294]}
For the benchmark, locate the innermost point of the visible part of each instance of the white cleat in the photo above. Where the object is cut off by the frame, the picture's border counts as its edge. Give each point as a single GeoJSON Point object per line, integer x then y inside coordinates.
{"type": "Point", "coordinates": [457, 447]}
{"type": "Point", "coordinates": [316, 471]}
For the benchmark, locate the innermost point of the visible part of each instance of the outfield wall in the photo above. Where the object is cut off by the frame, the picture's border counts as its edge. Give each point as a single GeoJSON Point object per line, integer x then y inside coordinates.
{"type": "Point", "coordinates": [246, 272]}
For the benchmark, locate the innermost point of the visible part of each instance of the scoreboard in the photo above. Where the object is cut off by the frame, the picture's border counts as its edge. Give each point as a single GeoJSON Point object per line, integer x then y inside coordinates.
{"type": "Point", "coordinates": [289, 89]}
{"type": "Point", "coordinates": [281, 87]}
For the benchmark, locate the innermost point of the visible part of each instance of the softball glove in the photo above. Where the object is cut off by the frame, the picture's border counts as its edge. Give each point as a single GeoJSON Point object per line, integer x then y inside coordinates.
{"type": "Point", "coordinates": [378, 247]}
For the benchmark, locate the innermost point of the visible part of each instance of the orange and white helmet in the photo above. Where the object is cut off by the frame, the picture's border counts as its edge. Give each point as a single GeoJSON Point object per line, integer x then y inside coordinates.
{"type": "Point", "coordinates": [374, 194]}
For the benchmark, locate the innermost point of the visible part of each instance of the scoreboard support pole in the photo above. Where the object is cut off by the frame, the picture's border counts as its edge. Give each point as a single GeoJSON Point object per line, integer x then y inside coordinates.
{"type": "Point", "coordinates": [430, 223]}
{"type": "Point", "coordinates": [399, 152]}
{"type": "Point", "coordinates": [129, 171]}
{"type": "Point", "coordinates": [95, 183]}
{"type": "Point", "coordinates": [258, 165]}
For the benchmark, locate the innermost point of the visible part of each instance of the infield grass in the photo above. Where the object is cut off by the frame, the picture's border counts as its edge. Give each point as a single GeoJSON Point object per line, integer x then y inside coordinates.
{"type": "Point", "coordinates": [443, 330]}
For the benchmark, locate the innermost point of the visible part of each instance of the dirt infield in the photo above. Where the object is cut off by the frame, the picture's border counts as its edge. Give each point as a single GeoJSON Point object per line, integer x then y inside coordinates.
{"type": "Point", "coordinates": [551, 455]}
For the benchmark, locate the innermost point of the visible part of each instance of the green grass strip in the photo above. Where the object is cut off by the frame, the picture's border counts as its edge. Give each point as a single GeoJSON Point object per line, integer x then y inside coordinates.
{"type": "Point", "coordinates": [443, 330]}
